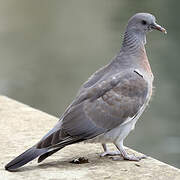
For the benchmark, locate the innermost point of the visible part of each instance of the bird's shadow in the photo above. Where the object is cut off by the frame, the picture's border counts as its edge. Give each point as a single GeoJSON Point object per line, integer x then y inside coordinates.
{"type": "Point", "coordinates": [65, 164]}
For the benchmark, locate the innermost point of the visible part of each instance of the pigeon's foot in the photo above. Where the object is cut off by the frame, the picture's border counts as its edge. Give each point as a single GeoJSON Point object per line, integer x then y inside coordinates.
{"type": "Point", "coordinates": [125, 155]}
{"type": "Point", "coordinates": [110, 153]}
{"type": "Point", "coordinates": [129, 157]}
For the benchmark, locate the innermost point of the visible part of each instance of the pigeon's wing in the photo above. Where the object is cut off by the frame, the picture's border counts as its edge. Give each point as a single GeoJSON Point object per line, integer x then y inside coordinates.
{"type": "Point", "coordinates": [93, 79]}
{"type": "Point", "coordinates": [100, 108]}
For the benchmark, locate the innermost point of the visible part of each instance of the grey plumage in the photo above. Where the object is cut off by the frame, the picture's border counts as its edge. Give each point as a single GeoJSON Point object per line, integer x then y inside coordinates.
{"type": "Point", "coordinates": [25, 157]}
{"type": "Point", "coordinates": [108, 105]}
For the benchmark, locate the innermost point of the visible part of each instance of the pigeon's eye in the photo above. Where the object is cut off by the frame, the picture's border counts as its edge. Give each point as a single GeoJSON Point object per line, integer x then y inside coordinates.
{"type": "Point", "coordinates": [144, 22]}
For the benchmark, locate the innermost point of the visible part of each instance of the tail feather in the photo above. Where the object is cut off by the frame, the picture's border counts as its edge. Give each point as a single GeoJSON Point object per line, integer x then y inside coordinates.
{"type": "Point", "coordinates": [24, 158]}
{"type": "Point", "coordinates": [44, 156]}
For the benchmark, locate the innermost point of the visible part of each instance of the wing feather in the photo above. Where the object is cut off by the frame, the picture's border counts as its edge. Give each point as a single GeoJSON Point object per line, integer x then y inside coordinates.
{"type": "Point", "coordinates": [99, 108]}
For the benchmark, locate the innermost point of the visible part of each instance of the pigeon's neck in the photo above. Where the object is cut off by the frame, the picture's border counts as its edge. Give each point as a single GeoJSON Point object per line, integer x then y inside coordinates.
{"type": "Point", "coordinates": [133, 48]}
{"type": "Point", "coordinates": [134, 41]}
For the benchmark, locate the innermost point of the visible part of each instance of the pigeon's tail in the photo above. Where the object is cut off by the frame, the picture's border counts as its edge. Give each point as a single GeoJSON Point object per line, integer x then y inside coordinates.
{"type": "Point", "coordinates": [25, 157]}
{"type": "Point", "coordinates": [44, 156]}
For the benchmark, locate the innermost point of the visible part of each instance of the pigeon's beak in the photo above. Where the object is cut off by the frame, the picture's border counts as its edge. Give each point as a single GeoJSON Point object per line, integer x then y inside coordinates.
{"type": "Point", "coordinates": [158, 27]}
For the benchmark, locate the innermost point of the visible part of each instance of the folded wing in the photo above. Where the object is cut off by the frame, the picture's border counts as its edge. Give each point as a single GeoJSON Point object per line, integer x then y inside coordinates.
{"type": "Point", "coordinates": [98, 109]}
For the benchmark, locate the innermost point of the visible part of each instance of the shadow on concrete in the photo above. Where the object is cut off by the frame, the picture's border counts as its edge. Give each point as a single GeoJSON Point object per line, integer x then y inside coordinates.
{"type": "Point", "coordinates": [66, 164]}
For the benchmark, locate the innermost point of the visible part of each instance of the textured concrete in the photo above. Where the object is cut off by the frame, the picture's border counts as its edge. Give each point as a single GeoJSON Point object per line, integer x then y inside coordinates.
{"type": "Point", "coordinates": [22, 126]}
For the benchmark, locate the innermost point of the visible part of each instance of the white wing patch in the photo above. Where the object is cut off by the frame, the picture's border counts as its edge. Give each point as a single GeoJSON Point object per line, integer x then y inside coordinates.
{"type": "Point", "coordinates": [138, 72]}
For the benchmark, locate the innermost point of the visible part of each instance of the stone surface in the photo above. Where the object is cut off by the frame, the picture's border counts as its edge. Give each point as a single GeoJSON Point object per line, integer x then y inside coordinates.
{"type": "Point", "coordinates": [22, 126]}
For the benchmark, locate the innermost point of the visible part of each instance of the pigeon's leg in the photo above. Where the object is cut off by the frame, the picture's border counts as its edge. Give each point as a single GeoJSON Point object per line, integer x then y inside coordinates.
{"type": "Point", "coordinates": [125, 155]}
{"type": "Point", "coordinates": [108, 153]}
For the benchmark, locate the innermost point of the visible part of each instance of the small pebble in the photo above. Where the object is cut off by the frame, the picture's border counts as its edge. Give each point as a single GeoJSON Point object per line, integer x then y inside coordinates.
{"type": "Point", "coordinates": [138, 165]}
{"type": "Point", "coordinates": [80, 160]}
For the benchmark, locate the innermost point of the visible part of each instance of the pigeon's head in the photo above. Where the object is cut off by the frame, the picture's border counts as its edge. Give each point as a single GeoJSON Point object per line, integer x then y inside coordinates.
{"type": "Point", "coordinates": [144, 22]}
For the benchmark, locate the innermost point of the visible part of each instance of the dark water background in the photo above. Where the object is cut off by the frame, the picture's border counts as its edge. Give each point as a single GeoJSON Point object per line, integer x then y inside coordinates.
{"type": "Point", "coordinates": [49, 48]}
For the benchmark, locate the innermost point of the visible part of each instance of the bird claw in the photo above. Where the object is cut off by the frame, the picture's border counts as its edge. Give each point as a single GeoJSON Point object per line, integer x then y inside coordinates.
{"type": "Point", "coordinates": [110, 153]}
{"type": "Point", "coordinates": [130, 158]}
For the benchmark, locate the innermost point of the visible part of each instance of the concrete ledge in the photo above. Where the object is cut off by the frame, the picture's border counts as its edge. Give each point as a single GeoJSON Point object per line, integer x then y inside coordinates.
{"type": "Point", "coordinates": [22, 126]}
